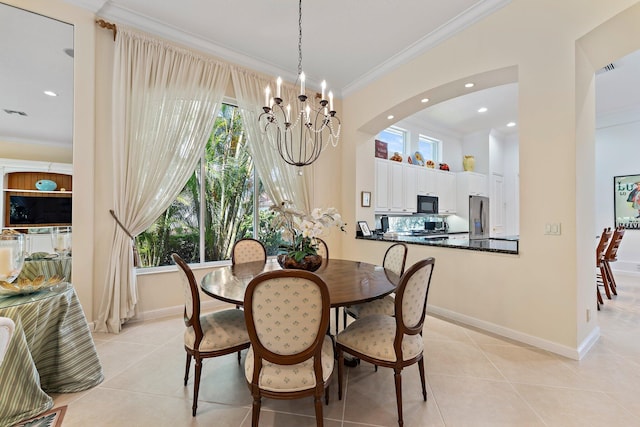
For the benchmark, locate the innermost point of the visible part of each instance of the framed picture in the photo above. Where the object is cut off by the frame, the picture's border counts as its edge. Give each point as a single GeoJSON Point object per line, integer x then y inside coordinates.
{"type": "Point", "coordinates": [365, 199]}
{"type": "Point", "coordinates": [364, 227]}
{"type": "Point", "coordinates": [626, 201]}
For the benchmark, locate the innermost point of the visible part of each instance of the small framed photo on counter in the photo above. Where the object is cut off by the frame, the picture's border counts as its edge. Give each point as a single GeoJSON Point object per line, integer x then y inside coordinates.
{"type": "Point", "coordinates": [365, 199]}
{"type": "Point", "coordinates": [364, 228]}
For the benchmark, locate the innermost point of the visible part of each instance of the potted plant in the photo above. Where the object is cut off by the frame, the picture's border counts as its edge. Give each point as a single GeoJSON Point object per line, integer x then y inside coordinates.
{"type": "Point", "coordinates": [300, 232]}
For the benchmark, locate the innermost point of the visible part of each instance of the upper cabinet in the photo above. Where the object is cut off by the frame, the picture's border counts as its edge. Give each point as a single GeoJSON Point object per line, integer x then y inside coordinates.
{"type": "Point", "coordinates": [398, 185]}
{"type": "Point", "coordinates": [473, 184]}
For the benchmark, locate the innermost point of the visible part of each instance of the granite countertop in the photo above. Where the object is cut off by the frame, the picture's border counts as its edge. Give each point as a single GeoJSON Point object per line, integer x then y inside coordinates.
{"type": "Point", "coordinates": [505, 245]}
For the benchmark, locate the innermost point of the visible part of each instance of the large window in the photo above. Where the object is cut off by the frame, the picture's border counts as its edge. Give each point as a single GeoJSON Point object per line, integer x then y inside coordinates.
{"type": "Point", "coordinates": [222, 202]}
{"type": "Point", "coordinates": [429, 147]}
{"type": "Point", "coordinates": [395, 138]}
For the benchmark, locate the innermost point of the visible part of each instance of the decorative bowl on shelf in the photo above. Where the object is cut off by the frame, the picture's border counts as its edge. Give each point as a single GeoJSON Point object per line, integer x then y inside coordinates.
{"type": "Point", "coordinates": [46, 185]}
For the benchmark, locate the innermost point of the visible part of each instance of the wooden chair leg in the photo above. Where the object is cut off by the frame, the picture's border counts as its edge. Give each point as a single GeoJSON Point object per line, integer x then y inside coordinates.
{"type": "Point", "coordinates": [599, 297]}
{"type": "Point", "coordinates": [605, 280]}
{"type": "Point", "coordinates": [611, 280]}
{"type": "Point", "coordinates": [424, 387]}
{"type": "Point", "coordinates": [318, 404]}
{"type": "Point", "coordinates": [196, 385]}
{"type": "Point", "coordinates": [398, 380]}
{"type": "Point", "coordinates": [340, 369]}
{"type": "Point", "coordinates": [255, 411]}
{"type": "Point", "coordinates": [186, 370]}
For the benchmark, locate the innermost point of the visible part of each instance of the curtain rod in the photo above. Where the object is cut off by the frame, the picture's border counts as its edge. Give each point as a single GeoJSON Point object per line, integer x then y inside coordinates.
{"type": "Point", "coordinates": [109, 26]}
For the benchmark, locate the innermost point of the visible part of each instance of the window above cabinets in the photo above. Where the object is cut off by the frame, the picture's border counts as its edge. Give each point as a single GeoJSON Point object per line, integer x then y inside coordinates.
{"type": "Point", "coordinates": [395, 138]}
{"type": "Point", "coordinates": [429, 147]}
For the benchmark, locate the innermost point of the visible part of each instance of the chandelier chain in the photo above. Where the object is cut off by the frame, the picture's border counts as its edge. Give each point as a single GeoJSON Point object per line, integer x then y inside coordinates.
{"type": "Point", "coordinates": [299, 37]}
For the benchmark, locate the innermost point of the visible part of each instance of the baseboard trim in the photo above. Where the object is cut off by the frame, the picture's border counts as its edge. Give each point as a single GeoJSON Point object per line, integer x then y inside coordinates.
{"type": "Point", "coordinates": [176, 310]}
{"type": "Point", "coordinates": [562, 350]}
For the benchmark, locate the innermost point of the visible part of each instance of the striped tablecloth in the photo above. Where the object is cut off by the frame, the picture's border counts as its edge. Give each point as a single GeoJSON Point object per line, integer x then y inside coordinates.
{"type": "Point", "coordinates": [51, 351]}
{"type": "Point", "coordinates": [48, 268]}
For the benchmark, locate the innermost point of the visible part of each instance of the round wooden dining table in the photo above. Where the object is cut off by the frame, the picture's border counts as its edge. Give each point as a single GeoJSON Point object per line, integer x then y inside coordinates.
{"type": "Point", "coordinates": [349, 282]}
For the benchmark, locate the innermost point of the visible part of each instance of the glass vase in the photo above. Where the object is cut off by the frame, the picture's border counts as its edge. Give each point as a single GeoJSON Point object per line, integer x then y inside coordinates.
{"type": "Point", "coordinates": [11, 256]}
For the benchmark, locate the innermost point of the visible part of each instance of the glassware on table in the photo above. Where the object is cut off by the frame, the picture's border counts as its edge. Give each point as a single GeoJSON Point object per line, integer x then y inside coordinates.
{"type": "Point", "coordinates": [61, 241]}
{"type": "Point", "coordinates": [11, 255]}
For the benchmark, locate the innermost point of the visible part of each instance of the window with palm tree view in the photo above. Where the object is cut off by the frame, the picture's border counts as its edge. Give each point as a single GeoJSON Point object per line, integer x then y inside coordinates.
{"type": "Point", "coordinates": [222, 202]}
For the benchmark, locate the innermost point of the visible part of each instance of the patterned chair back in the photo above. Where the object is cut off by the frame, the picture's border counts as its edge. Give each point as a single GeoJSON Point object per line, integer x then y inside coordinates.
{"type": "Point", "coordinates": [395, 258]}
{"type": "Point", "coordinates": [411, 297]}
{"type": "Point", "coordinates": [191, 298]}
{"type": "Point", "coordinates": [323, 249]}
{"type": "Point", "coordinates": [287, 315]}
{"type": "Point", "coordinates": [612, 249]}
{"type": "Point", "coordinates": [248, 250]}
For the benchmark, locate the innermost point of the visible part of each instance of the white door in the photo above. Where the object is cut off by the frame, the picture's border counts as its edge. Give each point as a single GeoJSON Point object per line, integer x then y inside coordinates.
{"type": "Point", "coordinates": [497, 206]}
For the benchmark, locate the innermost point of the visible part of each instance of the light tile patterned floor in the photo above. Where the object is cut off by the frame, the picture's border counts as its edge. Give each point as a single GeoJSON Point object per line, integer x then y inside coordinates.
{"type": "Point", "coordinates": [474, 379]}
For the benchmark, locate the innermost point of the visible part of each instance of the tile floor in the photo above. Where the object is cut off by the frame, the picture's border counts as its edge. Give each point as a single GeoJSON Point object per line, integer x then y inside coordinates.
{"type": "Point", "coordinates": [474, 379]}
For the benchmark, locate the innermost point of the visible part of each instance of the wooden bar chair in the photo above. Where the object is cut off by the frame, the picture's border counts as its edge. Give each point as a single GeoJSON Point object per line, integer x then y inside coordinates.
{"type": "Point", "coordinates": [610, 256]}
{"type": "Point", "coordinates": [605, 237]}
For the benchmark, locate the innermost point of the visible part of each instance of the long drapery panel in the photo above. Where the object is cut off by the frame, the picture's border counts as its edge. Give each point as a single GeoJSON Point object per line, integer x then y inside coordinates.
{"type": "Point", "coordinates": [282, 181]}
{"type": "Point", "coordinates": [165, 101]}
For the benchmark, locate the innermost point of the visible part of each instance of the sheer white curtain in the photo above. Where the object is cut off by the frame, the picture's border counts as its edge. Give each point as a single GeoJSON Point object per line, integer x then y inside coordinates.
{"type": "Point", "coordinates": [164, 104]}
{"type": "Point", "coordinates": [281, 180]}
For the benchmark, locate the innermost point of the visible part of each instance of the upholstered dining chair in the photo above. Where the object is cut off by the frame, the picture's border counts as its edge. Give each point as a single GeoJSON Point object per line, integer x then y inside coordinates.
{"type": "Point", "coordinates": [602, 276]}
{"type": "Point", "coordinates": [6, 331]}
{"type": "Point", "coordinates": [394, 259]}
{"type": "Point", "coordinates": [287, 315]}
{"type": "Point", "coordinates": [207, 335]}
{"type": "Point", "coordinates": [392, 341]}
{"type": "Point", "coordinates": [248, 250]}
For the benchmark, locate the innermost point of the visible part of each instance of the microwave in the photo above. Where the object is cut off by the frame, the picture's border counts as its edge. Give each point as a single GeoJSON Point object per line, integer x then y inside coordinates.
{"type": "Point", "coordinates": [427, 204]}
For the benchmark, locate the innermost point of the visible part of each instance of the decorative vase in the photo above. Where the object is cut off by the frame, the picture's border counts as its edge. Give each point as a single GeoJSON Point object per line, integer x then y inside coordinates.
{"type": "Point", "coordinates": [46, 185]}
{"type": "Point", "coordinates": [468, 163]}
{"type": "Point", "coordinates": [309, 263]}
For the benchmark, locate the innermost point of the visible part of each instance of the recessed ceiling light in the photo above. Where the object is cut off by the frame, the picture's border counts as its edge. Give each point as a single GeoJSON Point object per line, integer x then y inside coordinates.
{"type": "Point", "coordinates": [424, 100]}
{"type": "Point", "coordinates": [50, 93]}
{"type": "Point", "coordinates": [511, 124]}
{"type": "Point", "coordinates": [482, 110]}
{"type": "Point", "coordinates": [469, 85]}
{"type": "Point", "coordinates": [390, 116]}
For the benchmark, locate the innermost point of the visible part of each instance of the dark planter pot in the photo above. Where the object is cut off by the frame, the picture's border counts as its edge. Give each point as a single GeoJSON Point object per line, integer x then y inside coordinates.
{"type": "Point", "coordinates": [309, 263]}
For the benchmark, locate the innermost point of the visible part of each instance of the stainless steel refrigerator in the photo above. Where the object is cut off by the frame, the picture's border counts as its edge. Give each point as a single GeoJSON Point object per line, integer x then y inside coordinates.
{"type": "Point", "coordinates": [478, 217]}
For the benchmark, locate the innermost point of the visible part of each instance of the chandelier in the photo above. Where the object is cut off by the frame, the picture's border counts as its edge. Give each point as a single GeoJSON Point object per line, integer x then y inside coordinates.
{"type": "Point", "coordinates": [300, 139]}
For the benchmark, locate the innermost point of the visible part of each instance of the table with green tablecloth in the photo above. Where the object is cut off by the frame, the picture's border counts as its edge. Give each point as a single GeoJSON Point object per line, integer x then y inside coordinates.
{"type": "Point", "coordinates": [60, 266]}
{"type": "Point", "coordinates": [51, 351]}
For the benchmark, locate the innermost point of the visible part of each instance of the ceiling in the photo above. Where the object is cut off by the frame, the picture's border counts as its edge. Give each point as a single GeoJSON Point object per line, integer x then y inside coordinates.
{"type": "Point", "coordinates": [349, 49]}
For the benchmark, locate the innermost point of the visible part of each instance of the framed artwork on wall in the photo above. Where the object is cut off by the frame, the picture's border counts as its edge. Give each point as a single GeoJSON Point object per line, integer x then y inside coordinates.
{"type": "Point", "coordinates": [365, 199]}
{"type": "Point", "coordinates": [626, 201]}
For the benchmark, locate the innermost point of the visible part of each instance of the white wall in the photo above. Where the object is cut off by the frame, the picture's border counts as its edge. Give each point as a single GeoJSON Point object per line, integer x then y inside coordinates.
{"type": "Point", "coordinates": [617, 153]}
{"type": "Point", "coordinates": [511, 185]}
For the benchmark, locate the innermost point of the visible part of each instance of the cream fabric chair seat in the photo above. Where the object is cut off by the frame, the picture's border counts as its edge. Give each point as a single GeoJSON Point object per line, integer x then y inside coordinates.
{"type": "Point", "coordinates": [384, 306]}
{"type": "Point", "coordinates": [221, 329]}
{"type": "Point", "coordinates": [296, 377]}
{"type": "Point", "coordinates": [374, 335]}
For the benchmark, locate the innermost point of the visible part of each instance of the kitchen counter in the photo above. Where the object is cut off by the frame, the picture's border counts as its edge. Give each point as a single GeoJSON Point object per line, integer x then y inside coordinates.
{"type": "Point", "coordinates": [505, 245]}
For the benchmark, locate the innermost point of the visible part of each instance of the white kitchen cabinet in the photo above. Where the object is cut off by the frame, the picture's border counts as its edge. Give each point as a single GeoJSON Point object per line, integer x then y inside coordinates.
{"type": "Point", "coordinates": [427, 182]}
{"type": "Point", "coordinates": [473, 184]}
{"type": "Point", "coordinates": [411, 179]}
{"type": "Point", "coordinates": [390, 194]}
{"type": "Point", "coordinates": [383, 170]}
{"type": "Point", "coordinates": [446, 191]}
{"type": "Point", "coordinates": [396, 187]}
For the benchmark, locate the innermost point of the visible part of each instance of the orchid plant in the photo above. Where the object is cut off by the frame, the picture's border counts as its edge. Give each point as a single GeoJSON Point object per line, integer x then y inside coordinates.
{"type": "Point", "coordinates": [301, 230]}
